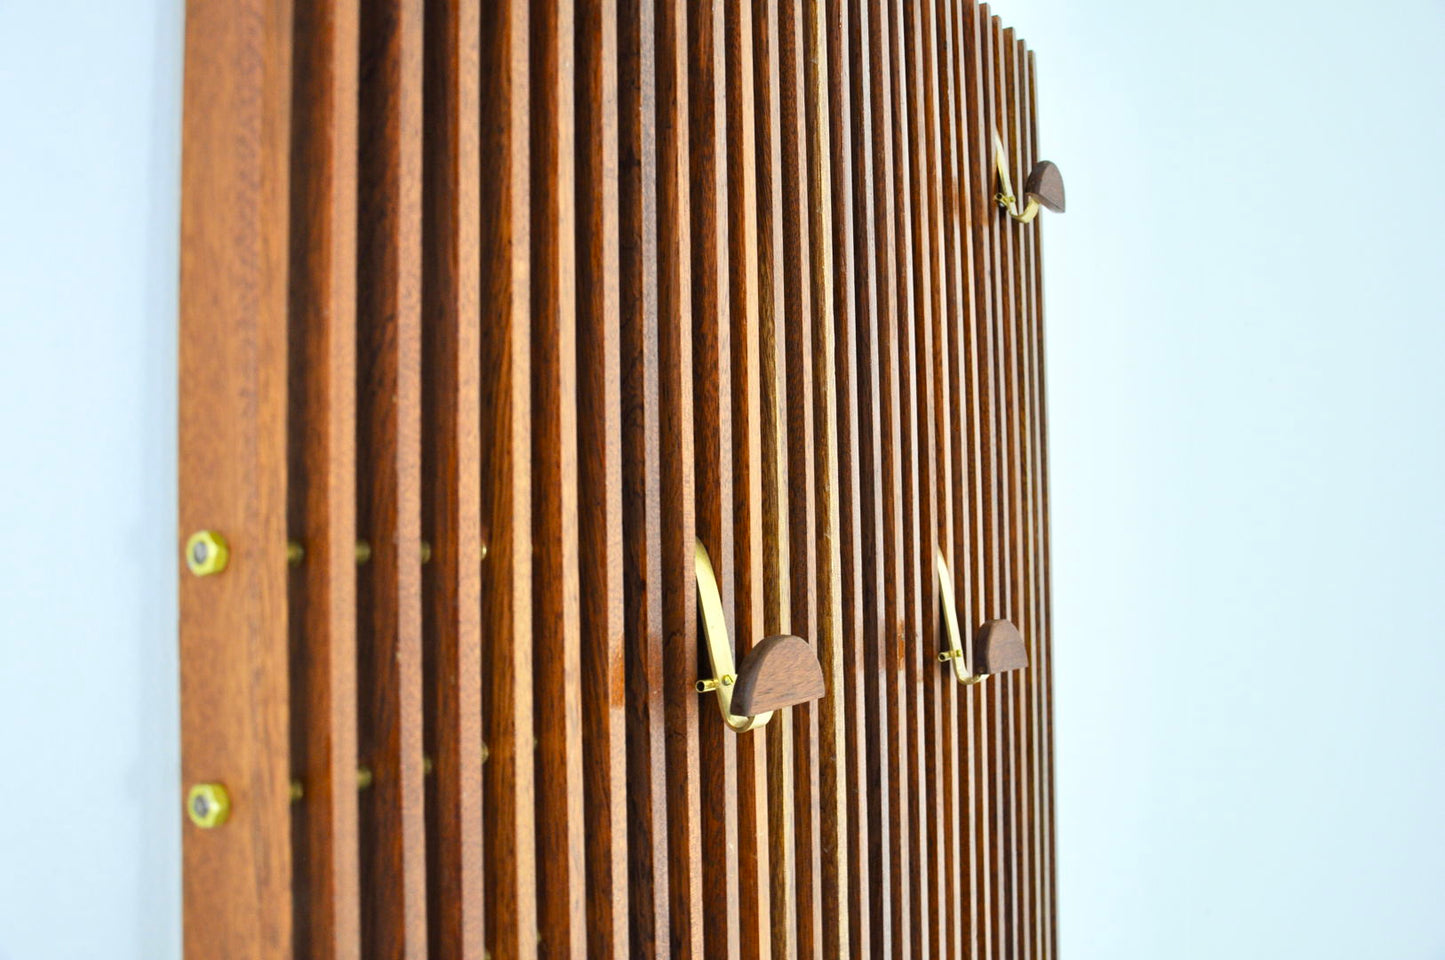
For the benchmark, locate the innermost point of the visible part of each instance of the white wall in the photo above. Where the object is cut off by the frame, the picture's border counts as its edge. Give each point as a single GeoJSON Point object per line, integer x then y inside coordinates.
{"type": "Point", "coordinates": [89, 755]}
{"type": "Point", "coordinates": [1247, 322]}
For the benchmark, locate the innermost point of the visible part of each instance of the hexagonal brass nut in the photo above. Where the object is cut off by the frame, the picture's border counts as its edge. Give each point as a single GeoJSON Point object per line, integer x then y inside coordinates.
{"type": "Point", "coordinates": [208, 805]}
{"type": "Point", "coordinates": [206, 553]}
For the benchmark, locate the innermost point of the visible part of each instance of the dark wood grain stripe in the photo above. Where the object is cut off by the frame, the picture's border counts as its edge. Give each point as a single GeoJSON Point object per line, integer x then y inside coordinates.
{"type": "Point", "coordinates": [451, 467]}
{"type": "Point", "coordinates": [388, 486]}
{"type": "Point", "coordinates": [321, 491]}
{"type": "Point", "coordinates": [599, 443]}
{"type": "Point", "coordinates": [508, 782]}
{"type": "Point", "coordinates": [679, 597]}
{"type": "Point", "coordinates": [641, 478]}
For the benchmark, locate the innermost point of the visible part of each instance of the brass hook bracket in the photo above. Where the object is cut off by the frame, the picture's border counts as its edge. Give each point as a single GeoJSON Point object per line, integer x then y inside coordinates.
{"type": "Point", "coordinates": [998, 647]}
{"type": "Point", "coordinates": [1045, 186]}
{"type": "Point", "coordinates": [719, 648]}
{"type": "Point", "coordinates": [778, 672]}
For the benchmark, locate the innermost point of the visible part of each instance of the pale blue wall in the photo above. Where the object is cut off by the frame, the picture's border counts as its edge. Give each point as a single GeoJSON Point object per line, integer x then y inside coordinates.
{"type": "Point", "coordinates": [1247, 321]}
{"type": "Point", "coordinates": [89, 191]}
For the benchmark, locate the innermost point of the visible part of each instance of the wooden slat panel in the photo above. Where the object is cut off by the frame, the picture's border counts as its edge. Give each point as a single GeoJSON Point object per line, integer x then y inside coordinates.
{"type": "Point", "coordinates": [451, 466]}
{"type": "Point", "coordinates": [388, 486]}
{"type": "Point", "coordinates": [232, 471]}
{"type": "Point", "coordinates": [827, 639]}
{"type": "Point", "coordinates": [647, 834]}
{"type": "Point", "coordinates": [322, 480]}
{"type": "Point", "coordinates": [754, 855]}
{"type": "Point", "coordinates": [506, 588]}
{"type": "Point", "coordinates": [604, 688]}
{"type": "Point", "coordinates": [556, 641]}
{"type": "Point", "coordinates": [713, 447]}
{"type": "Point", "coordinates": [842, 271]}
{"type": "Point", "coordinates": [794, 206]}
{"type": "Point", "coordinates": [675, 396]}
{"type": "Point", "coordinates": [776, 558]}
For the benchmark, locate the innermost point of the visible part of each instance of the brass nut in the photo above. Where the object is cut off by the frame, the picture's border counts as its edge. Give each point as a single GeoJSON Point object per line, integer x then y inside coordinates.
{"type": "Point", "coordinates": [208, 805]}
{"type": "Point", "coordinates": [206, 553]}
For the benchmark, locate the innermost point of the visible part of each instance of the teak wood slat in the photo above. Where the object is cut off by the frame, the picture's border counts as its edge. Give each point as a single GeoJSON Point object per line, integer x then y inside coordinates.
{"type": "Point", "coordinates": [491, 314]}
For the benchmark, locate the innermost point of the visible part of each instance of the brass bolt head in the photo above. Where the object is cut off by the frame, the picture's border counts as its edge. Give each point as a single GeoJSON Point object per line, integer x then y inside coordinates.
{"type": "Point", "coordinates": [206, 553]}
{"type": "Point", "coordinates": [208, 805]}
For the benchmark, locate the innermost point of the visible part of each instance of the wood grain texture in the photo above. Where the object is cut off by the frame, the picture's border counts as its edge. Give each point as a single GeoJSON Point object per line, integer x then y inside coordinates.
{"type": "Point", "coordinates": [236, 892]}
{"type": "Point", "coordinates": [754, 854]}
{"type": "Point", "coordinates": [675, 404]}
{"type": "Point", "coordinates": [388, 483]}
{"type": "Point", "coordinates": [779, 672]}
{"type": "Point", "coordinates": [508, 783]}
{"type": "Point", "coordinates": [599, 432]}
{"type": "Point", "coordinates": [321, 492]}
{"type": "Point", "coordinates": [647, 832]}
{"type": "Point", "coordinates": [451, 468]}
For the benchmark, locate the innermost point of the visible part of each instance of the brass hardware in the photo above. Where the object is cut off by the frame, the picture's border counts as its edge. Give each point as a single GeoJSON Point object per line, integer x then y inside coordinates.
{"type": "Point", "coordinates": [363, 551]}
{"type": "Point", "coordinates": [206, 553]}
{"type": "Point", "coordinates": [714, 626]}
{"type": "Point", "coordinates": [208, 805]}
{"type": "Point", "coordinates": [1044, 189]}
{"type": "Point", "coordinates": [295, 553]}
{"type": "Point", "coordinates": [426, 765]}
{"type": "Point", "coordinates": [425, 552]}
{"type": "Point", "coordinates": [363, 778]}
{"type": "Point", "coordinates": [297, 791]}
{"type": "Point", "coordinates": [486, 753]}
{"type": "Point", "coordinates": [952, 636]}
{"type": "Point", "coordinates": [484, 552]}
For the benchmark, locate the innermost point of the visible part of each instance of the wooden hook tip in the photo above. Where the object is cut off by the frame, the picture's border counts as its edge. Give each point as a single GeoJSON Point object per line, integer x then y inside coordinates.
{"type": "Point", "coordinates": [999, 648]}
{"type": "Point", "coordinates": [779, 672]}
{"type": "Point", "coordinates": [1046, 185]}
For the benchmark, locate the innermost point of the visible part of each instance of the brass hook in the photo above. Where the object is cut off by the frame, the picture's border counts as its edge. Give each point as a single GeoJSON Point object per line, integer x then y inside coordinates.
{"type": "Point", "coordinates": [1045, 186]}
{"type": "Point", "coordinates": [998, 647]}
{"type": "Point", "coordinates": [780, 671]}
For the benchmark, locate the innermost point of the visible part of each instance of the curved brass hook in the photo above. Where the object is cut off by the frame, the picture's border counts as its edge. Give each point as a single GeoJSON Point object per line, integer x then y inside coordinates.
{"type": "Point", "coordinates": [998, 648]}
{"type": "Point", "coordinates": [778, 672]}
{"type": "Point", "coordinates": [1045, 186]}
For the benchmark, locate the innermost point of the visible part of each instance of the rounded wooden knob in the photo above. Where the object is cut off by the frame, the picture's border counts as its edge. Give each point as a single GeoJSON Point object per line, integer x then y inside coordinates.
{"type": "Point", "coordinates": [999, 647]}
{"type": "Point", "coordinates": [779, 672]}
{"type": "Point", "coordinates": [1046, 185]}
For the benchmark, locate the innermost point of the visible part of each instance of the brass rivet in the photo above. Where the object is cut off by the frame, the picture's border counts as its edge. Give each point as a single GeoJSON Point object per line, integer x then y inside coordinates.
{"type": "Point", "coordinates": [208, 805]}
{"type": "Point", "coordinates": [206, 553]}
{"type": "Point", "coordinates": [363, 551]}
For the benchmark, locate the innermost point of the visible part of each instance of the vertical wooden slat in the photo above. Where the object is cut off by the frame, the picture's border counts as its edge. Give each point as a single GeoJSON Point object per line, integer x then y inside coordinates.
{"type": "Point", "coordinates": [842, 272]}
{"type": "Point", "coordinates": [679, 583]}
{"type": "Point", "coordinates": [984, 467]}
{"type": "Point", "coordinates": [754, 856]}
{"type": "Point", "coordinates": [322, 479]}
{"type": "Point", "coordinates": [712, 447]}
{"type": "Point", "coordinates": [232, 470]}
{"type": "Point", "coordinates": [795, 200]}
{"type": "Point", "coordinates": [1044, 644]}
{"type": "Point", "coordinates": [557, 654]}
{"type": "Point", "coordinates": [772, 352]}
{"type": "Point", "coordinates": [393, 860]}
{"type": "Point", "coordinates": [831, 759]}
{"type": "Point", "coordinates": [599, 441]}
{"type": "Point", "coordinates": [647, 833]}
{"type": "Point", "coordinates": [866, 305]}
{"type": "Point", "coordinates": [506, 444]}
{"type": "Point", "coordinates": [451, 466]}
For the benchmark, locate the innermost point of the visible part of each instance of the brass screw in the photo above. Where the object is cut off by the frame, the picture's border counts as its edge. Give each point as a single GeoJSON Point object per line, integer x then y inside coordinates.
{"type": "Point", "coordinates": [363, 778]}
{"type": "Point", "coordinates": [484, 551]}
{"type": "Point", "coordinates": [206, 553]}
{"type": "Point", "coordinates": [946, 655]}
{"type": "Point", "coordinates": [208, 805]}
{"type": "Point", "coordinates": [426, 765]}
{"type": "Point", "coordinates": [486, 753]}
{"type": "Point", "coordinates": [425, 552]}
{"type": "Point", "coordinates": [363, 551]}
{"type": "Point", "coordinates": [294, 553]}
{"type": "Point", "coordinates": [297, 791]}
